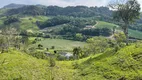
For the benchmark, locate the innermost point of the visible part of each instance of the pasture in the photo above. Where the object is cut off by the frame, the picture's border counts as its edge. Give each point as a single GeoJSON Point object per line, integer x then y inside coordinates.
{"type": "Point", "coordinates": [60, 44]}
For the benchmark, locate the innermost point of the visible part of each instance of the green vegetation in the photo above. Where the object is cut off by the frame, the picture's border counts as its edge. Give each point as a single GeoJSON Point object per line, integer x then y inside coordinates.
{"type": "Point", "coordinates": [109, 65]}
{"type": "Point", "coordinates": [20, 66]}
{"type": "Point", "coordinates": [135, 34]}
{"type": "Point", "coordinates": [102, 24]}
{"type": "Point", "coordinates": [24, 23]}
{"type": "Point", "coordinates": [17, 65]}
{"type": "Point", "coordinates": [132, 33]}
{"type": "Point", "coordinates": [127, 13]}
{"type": "Point", "coordinates": [124, 64]}
{"type": "Point", "coordinates": [60, 44]}
{"type": "Point", "coordinates": [70, 43]}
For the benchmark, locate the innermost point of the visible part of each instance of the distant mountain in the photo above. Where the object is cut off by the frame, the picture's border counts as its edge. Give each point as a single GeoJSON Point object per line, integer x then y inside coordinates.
{"type": "Point", "coordinates": [13, 5]}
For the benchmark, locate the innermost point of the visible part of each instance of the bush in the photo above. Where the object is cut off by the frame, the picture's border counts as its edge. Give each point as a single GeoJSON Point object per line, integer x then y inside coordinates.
{"type": "Point", "coordinates": [52, 62]}
{"type": "Point", "coordinates": [10, 20]}
{"type": "Point", "coordinates": [75, 65]}
{"type": "Point", "coordinates": [38, 54]}
{"type": "Point", "coordinates": [40, 46]}
{"type": "Point", "coordinates": [52, 47]}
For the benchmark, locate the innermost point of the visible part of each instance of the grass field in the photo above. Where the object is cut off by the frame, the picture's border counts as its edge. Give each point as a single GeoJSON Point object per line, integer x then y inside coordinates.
{"type": "Point", "coordinates": [132, 33]}
{"type": "Point", "coordinates": [105, 66]}
{"type": "Point", "coordinates": [102, 24]}
{"type": "Point", "coordinates": [30, 22]}
{"type": "Point", "coordinates": [60, 44]}
{"type": "Point", "coordinates": [26, 23]}
{"type": "Point", "coordinates": [15, 65]}
{"type": "Point", "coordinates": [113, 66]}
{"type": "Point", "coordinates": [135, 34]}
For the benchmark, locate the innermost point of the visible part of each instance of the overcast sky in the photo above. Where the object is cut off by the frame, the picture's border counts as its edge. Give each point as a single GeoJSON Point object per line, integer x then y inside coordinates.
{"type": "Point", "coordinates": [62, 3]}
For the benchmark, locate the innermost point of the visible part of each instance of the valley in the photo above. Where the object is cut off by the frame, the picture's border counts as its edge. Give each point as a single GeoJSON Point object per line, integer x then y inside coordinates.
{"type": "Point", "coordinates": [39, 42]}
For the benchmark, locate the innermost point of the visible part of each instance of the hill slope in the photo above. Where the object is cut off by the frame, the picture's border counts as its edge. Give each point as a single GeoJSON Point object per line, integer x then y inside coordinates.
{"type": "Point", "coordinates": [132, 33]}
{"type": "Point", "coordinates": [123, 65]}
{"type": "Point", "coordinates": [19, 66]}
{"type": "Point", "coordinates": [15, 65]}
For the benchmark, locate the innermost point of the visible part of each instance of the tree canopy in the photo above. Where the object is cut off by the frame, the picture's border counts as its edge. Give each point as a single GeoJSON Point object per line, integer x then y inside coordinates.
{"type": "Point", "coordinates": [126, 11]}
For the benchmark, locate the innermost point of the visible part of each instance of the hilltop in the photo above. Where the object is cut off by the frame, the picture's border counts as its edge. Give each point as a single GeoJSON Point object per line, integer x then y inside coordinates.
{"type": "Point", "coordinates": [13, 5]}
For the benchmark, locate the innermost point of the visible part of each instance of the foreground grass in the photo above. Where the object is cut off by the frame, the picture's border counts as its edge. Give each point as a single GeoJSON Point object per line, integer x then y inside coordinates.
{"type": "Point", "coordinates": [125, 64]}
{"type": "Point", "coordinates": [15, 65]}
{"type": "Point", "coordinates": [20, 66]}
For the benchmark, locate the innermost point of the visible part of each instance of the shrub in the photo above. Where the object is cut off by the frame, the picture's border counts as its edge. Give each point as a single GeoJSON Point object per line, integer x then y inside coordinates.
{"type": "Point", "coordinates": [75, 65]}
{"type": "Point", "coordinates": [40, 46]}
{"type": "Point", "coordinates": [52, 47]}
{"type": "Point", "coordinates": [52, 62]}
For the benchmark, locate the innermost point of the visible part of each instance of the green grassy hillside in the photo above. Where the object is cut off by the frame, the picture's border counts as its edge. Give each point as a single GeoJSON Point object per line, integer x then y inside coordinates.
{"type": "Point", "coordinates": [19, 66]}
{"type": "Point", "coordinates": [15, 65]}
{"type": "Point", "coordinates": [30, 22]}
{"type": "Point", "coordinates": [123, 65]}
{"type": "Point", "coordinates": [132, 33]}
{"type": "Point", "coordinates": [102, 24]}
{"type": "Point", "coordinates": [26, 23]}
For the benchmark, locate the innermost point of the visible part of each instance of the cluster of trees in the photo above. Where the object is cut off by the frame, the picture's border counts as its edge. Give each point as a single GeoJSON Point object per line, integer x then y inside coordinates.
{"type": "Point", "coordinates": [77, 11]}
{"type": "Point", "coordinates": [97, 32]}
{"type": "Point", "coordinates": [27, 10]}
{"type": "Point", "coordinates": [73, 32]}
{"type": "Point", "coordinates": [9, 38]}
{"type": "Point", "coordinates": [59, 20]}
{"type": "Point", "coordinates": [11, 19]}
{"type": "Point", "coordinates": [101, 44]}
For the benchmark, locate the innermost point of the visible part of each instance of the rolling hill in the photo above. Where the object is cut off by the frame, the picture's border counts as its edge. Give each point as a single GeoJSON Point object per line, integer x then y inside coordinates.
{"type": "Point", "coordinates": [132, 33]}
{"type": "Point", "coordinates": [110, 65]}
{"type": "Point", "coordinates": [122, 65]}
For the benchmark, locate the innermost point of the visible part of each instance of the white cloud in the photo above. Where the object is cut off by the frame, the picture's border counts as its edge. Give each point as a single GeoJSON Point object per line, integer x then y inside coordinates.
{"type": "Point", "coordinates": [57, 2]}
{"type": "Point", "coordinates": [73, 2]}
{"type": "Point", "coordinates": [60, 2]}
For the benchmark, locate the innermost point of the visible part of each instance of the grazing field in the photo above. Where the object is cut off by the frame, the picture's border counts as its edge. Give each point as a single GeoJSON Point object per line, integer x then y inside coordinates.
{"type": "Point", "coordinates": [102, 24]}
{"type": "Point", "coordinates": [60, 44]}
{"type": "Point", "coordinates": [135, 34]}
{"type": "Point", "coordinates": [132, 33]}
{"type": "Point", "coordinates": [30, 22]}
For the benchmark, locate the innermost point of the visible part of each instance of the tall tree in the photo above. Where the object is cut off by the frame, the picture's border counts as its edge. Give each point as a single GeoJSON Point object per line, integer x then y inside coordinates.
{"type": "Point", "coordinates": [126, 11]}
{"type": "Point", "coordinates": [9, 38]}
